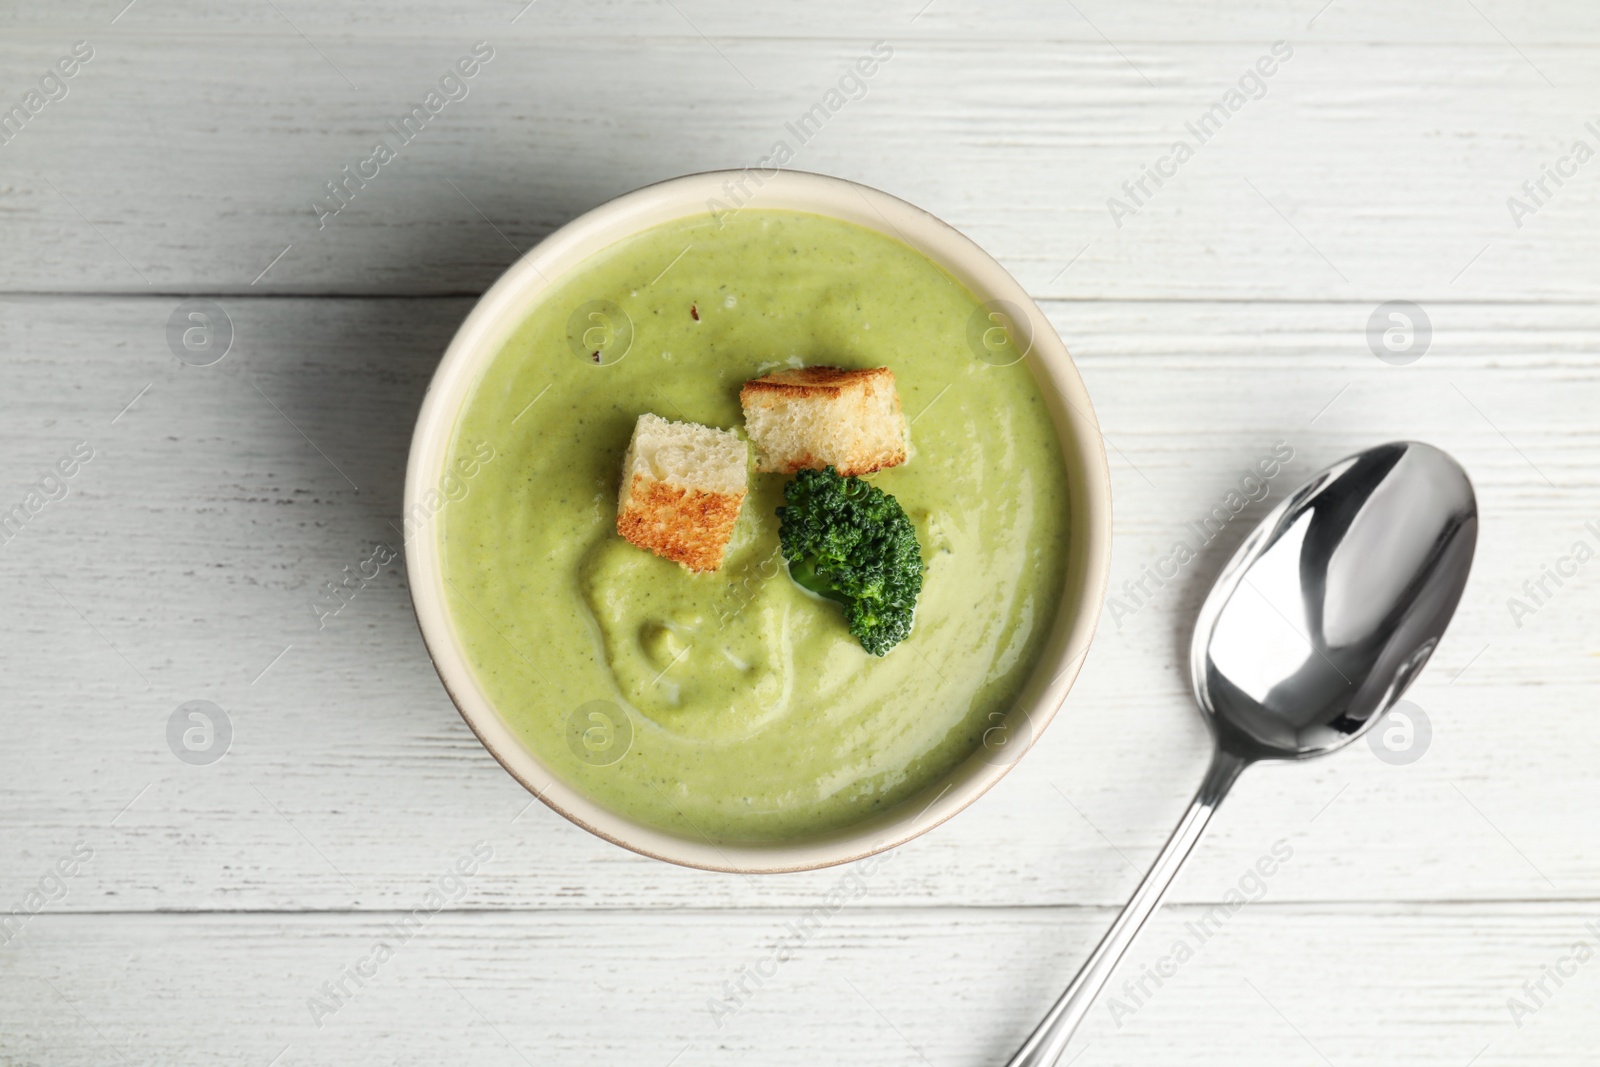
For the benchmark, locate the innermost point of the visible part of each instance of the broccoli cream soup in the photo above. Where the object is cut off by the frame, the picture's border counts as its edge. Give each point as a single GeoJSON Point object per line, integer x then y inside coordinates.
{"type": "Point", "coordinates": [734, 704]}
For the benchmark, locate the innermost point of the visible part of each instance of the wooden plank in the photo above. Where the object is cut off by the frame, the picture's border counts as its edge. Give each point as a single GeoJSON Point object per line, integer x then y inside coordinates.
{"type": "Point", "coordinates": [190, 548]}
{"type": "Point", "coordinates": [1267, 985]}
{"type": "Point", "coordinates": [190, 161]}
{"type": "Point", "coordinates": [1545, 23]}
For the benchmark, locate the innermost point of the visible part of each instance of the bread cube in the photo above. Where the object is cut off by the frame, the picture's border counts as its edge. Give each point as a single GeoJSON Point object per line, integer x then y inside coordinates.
{"type": "Point", "coordinates": [817, 416]}
{"type": "Point", "coordinates": [682, 486]}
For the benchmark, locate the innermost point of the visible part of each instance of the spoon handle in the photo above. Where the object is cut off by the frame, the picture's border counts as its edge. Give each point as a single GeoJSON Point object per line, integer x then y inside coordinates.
{"type": "Point", "coordinates": [1045, 1045]}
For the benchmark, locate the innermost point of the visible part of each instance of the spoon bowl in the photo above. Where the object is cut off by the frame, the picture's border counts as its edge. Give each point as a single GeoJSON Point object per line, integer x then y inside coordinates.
{"type": "Point", "coordinates": [1332, 606]}
{"type": "Point", "coordinates": [1322, 619]}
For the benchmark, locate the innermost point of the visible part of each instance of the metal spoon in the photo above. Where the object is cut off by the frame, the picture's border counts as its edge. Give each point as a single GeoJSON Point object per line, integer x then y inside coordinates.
{"type": "Point", "coordinates": [1318, 624]}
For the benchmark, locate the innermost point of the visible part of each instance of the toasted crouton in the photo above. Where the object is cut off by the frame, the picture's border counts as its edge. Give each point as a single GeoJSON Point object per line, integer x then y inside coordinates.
{"type": "Point", "coordinates": [817, 416]}
{"type": "Point", "coordinates": [682, 486]}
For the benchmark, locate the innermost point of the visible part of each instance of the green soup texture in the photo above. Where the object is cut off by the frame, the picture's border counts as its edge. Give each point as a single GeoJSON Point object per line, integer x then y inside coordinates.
{"type": "Point", "coordinates": [734, 705]}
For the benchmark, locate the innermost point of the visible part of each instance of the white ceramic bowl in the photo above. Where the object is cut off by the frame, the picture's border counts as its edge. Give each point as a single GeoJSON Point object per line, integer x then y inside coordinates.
{"type": "Point", "coordinates": [505, 306]}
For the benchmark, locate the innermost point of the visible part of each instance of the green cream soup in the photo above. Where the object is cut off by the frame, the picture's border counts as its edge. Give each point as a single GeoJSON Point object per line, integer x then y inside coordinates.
{"type": "Point", "coordinates": [739, 704]}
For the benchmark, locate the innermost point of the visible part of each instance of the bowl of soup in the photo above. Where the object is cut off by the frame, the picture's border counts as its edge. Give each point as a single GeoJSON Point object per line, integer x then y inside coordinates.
{"type": "Point", "coordinates": [726, 720]}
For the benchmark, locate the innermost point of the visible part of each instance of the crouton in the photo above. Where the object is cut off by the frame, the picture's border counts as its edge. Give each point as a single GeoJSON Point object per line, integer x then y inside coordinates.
{"type": "Point", "coordinates": [682, 486]}
{"type": "Point", "coordinates": [816, 416]}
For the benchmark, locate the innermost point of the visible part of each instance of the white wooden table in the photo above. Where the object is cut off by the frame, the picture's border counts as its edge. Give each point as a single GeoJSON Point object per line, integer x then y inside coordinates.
{"type": "Point", "coordinates": [213, 911]}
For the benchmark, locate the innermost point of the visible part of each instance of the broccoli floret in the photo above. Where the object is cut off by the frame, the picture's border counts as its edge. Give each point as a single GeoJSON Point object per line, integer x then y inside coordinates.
{"type": "Point", "coordinates": [851, 542]}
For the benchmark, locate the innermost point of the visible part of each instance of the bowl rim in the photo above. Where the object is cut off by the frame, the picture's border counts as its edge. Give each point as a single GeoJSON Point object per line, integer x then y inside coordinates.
{"type": "Point", "coordinates": [505, 305]}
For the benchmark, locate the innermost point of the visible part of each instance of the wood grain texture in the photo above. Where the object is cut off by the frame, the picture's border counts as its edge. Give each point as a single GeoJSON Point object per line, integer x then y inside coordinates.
{"type": "Point", "coordinates": [1224, 319]}
{"type": "Point", "coordinates": [1366, 172]}
{"type": "Point", "coordinates": [1547, 23]}
{"type": "Point", "coordinates": [1278, 985]}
